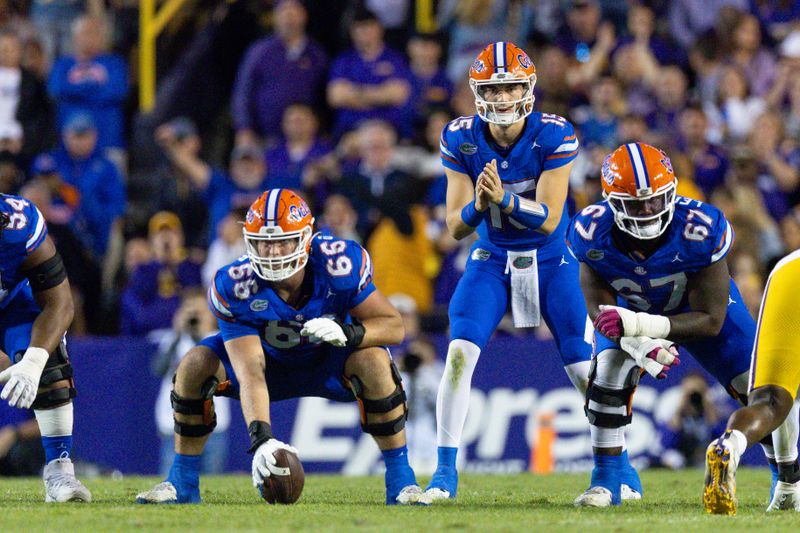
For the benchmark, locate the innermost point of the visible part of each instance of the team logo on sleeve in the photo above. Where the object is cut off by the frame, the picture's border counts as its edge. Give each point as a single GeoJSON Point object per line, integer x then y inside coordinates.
{"type": "Point", "coordinates": [479, 254]}
{"type": "Point", "coordinates": [595, 255]}
{"type": "Point", "coordinates": [259, 305]}
{"type": "Point", "coordinates": [468, 149]}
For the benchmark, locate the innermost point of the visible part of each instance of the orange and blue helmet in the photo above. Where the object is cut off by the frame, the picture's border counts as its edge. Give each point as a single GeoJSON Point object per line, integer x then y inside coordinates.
{"type": "Point", "coordinates": [502, 63]}
{"type": "Point", "coordinates": [639, 184]}
{"type": "Point", "coordinates": [277, 234]}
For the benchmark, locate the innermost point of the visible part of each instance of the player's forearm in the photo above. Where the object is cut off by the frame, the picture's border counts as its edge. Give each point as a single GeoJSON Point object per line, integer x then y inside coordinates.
{"type": "Point", "coordinates": [457, 227]}
{"type": "Point", "coordinates": [694, 325]}
{"type": "Point", "coordinates": [254, 398]}
{"type": "Point", "coordinates": [382, 331]}
{"type": "Point", "coordinates": [54, 320]}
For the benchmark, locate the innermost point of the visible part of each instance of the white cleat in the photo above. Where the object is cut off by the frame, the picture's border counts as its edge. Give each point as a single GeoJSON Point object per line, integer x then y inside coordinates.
{"type": "Point", "coordinates": [436, 493]}
{"type": "Point", "coordinates": [413, 495]}
{"type": "Point", "coordinates": [60, 484]}
{"type": "Point", "coordinates": [594, 497]}
{"type": "Point", "coordinates": [786, 497]}
{"type": "Point", "coordinates": [164, 492]}
{"type": "Point", "coordinates": [719, 493]}
{"type": "Point", "coordinates": [627, 493]}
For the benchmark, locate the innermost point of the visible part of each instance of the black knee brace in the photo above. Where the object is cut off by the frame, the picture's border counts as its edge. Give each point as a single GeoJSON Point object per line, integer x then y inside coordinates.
{"type": "Point", "coordinates": [612, 398]}
{"type": "Point", "coordinates": [198, 406]}
{"type": "Point", "coordinates": [57, 368]}
{"type": "Point", "coordinates": [382, 405]}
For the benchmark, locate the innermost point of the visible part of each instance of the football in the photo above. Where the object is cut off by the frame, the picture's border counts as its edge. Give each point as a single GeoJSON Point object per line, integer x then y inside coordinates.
{"type": "Point", "coordinates": [284, 488]}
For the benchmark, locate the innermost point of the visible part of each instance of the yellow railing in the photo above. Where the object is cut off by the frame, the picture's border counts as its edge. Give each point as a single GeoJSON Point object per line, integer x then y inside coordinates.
{"type": "Point", "coordinates": [151, 23]}
{"type": "Point", "coordinates": [425, 19]}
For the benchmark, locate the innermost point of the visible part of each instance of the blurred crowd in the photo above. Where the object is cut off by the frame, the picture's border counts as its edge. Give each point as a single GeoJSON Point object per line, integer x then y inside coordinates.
{"type": "Point", "coordinates": [345, 102]}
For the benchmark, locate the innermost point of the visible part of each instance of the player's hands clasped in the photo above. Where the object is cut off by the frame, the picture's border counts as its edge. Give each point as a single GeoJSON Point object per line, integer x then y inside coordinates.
{"type": "Point", "coordinates": [655, 356]}
{"type": "Point", "coordinates": [324, 330]}
{"type": "Point", "coordinates": [22, 379]}
{"type": "Point", "coordinates": [489, 184]}
{"type": "Point", "coordinates": [265, 464]}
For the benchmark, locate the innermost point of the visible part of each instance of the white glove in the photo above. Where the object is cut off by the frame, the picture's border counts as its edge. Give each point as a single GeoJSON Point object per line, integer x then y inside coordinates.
{"type": "Point", "coordinates": [23, 378]}
{"type": "Point", "coordinates": [264, 461]}
{"type": "Point", "coordinates": [655, 356]}
{"type": "Point", "coordinates": [324, 330]}
{"type": "Point", "coordinates": [616, 322]}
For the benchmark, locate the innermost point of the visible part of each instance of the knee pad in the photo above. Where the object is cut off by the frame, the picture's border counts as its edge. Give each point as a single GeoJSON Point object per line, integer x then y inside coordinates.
{"type": "Point", "coordinates": [203, 406]}
{"type": "Point", "coordinates": [381, 405]}
{"type": "Point", "coordinates": [611, 398]}
{"type": "Point", "coordinates": [57, 368]}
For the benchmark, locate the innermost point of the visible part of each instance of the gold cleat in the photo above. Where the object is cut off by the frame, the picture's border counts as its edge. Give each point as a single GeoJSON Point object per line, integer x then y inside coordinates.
{"type": "Point", "coordinates": [719, 494]}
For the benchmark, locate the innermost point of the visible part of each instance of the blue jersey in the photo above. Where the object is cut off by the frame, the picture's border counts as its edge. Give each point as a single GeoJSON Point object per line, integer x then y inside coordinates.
{"type": "Point", "coordinates": [245, 304]}
{"type": "Point", "coordinates": [24, 233]}
{"type": "Point", "coordinates": [547, 142]}
{"type": "Point", "coordinates": [698, 236]}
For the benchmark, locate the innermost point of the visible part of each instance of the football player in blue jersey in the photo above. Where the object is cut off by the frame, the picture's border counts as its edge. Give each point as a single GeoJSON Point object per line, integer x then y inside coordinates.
{"type": "Point", "coordinates": [298, 316]}
{"type": "Point", "coordinates": [653, 272]}
{"type": "Point", "coordinates": [35, 311]}
{"type": "Point", "coordinates": [507, 177]}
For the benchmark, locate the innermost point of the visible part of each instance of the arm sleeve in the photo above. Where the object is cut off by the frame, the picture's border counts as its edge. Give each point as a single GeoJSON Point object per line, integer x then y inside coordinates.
{"type": "Point", "coordinates": [559, 142]}
{"type": "Point", "coordinates": [723, 237]}
{"type": "Point", "coordinates": [219, 301]}
{"type": "Point", "coordinates": [448, 149]}
{"type": "Point", "coordinates": [36, 228]}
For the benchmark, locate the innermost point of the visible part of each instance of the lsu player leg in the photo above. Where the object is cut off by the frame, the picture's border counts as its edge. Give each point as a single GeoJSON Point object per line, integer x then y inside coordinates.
{"type": "Point", "coordinates": [774, 382]}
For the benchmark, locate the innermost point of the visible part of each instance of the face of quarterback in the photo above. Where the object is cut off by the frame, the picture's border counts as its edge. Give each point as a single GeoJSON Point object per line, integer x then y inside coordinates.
{"type": "Point", "coordinates": [503, 92]}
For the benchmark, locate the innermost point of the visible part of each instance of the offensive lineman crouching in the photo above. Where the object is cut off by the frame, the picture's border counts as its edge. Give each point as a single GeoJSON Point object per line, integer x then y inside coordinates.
{"type": "Point", "coordinates": [35, 311]}
{"type": "Point", "coordinates": [298, 316]}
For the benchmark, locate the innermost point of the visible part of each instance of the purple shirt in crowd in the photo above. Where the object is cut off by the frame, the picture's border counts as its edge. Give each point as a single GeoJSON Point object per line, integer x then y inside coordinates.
{"type": "Point", "coordinates": [284, 172]}
{"type": "Point", "coordinates": [350, 66]}
{"type": "Point", "coordinates": [270, 78]}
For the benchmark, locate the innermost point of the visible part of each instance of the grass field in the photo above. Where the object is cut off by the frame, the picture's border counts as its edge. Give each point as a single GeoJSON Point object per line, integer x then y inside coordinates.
{"type": "Point", "coordinates": [331, 503]}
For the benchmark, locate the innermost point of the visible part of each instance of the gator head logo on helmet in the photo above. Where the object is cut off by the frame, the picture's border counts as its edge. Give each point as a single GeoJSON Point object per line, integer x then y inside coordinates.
{"type": "Point", "coordinates": [277, 234]}
{"type": "Point", "coordinates": [639, 184]}
{"type": "Point", "coordinates": [502, 79]}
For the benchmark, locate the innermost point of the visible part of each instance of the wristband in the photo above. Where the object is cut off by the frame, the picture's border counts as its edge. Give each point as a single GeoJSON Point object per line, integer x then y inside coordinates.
{"type": "Point", "coordinates": [530, 213]}
{"type": "Point", "coordinates": [506, 200]}
{"type": "Point", "coordinates": [471, 216]}
{"type": "Point", "coordinates": [38, 356]}
{"type": "Point", "coordinates": [353, 332]}
{"type": "Point", "coordinates": [260, 432]}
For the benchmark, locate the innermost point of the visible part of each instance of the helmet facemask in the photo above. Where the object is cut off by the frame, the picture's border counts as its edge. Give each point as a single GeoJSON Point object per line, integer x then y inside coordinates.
{"type": "Point", "coordinates": [286, 252]}
{"type": "Point", "coordinates": [488, 111]}
{"type": "Point", "coordinates": [644, 217]}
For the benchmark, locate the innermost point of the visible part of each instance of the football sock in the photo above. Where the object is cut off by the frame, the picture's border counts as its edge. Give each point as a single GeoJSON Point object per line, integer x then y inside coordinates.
{"type": "Point", "coordinates": [453, 398]}
{"type": "Point", "coordinates": [446, 475]}
{"type": "Point", "coordinates": [606, 474]}
{"type": "Point", "coordinates": [185, 477]}
{"type": "Point", "coordinates": [57, 447]}
{"type": "Point", "coordinates": [398, 472]}
{"type": "Point", "coordinates": [55, 426]}
{"type": "Point", "coordinates": [630, 476]}
{"type": "Point", "coordinates": [738, 441]}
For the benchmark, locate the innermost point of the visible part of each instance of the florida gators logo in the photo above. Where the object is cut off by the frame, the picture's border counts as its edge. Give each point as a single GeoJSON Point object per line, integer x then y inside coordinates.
{"type": "Point", "coordinates": [478, 66]}
{"type": "Point", "coordinates": [298, 212]}
{"type": "Point", "coordinates": [667, 164]}
{"type": "Point", "coordinates": [605, 170]}
{"type": "Point", "coordinates": [524, 60]}
{"type": "Point", "coordinates": [251, 216]}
